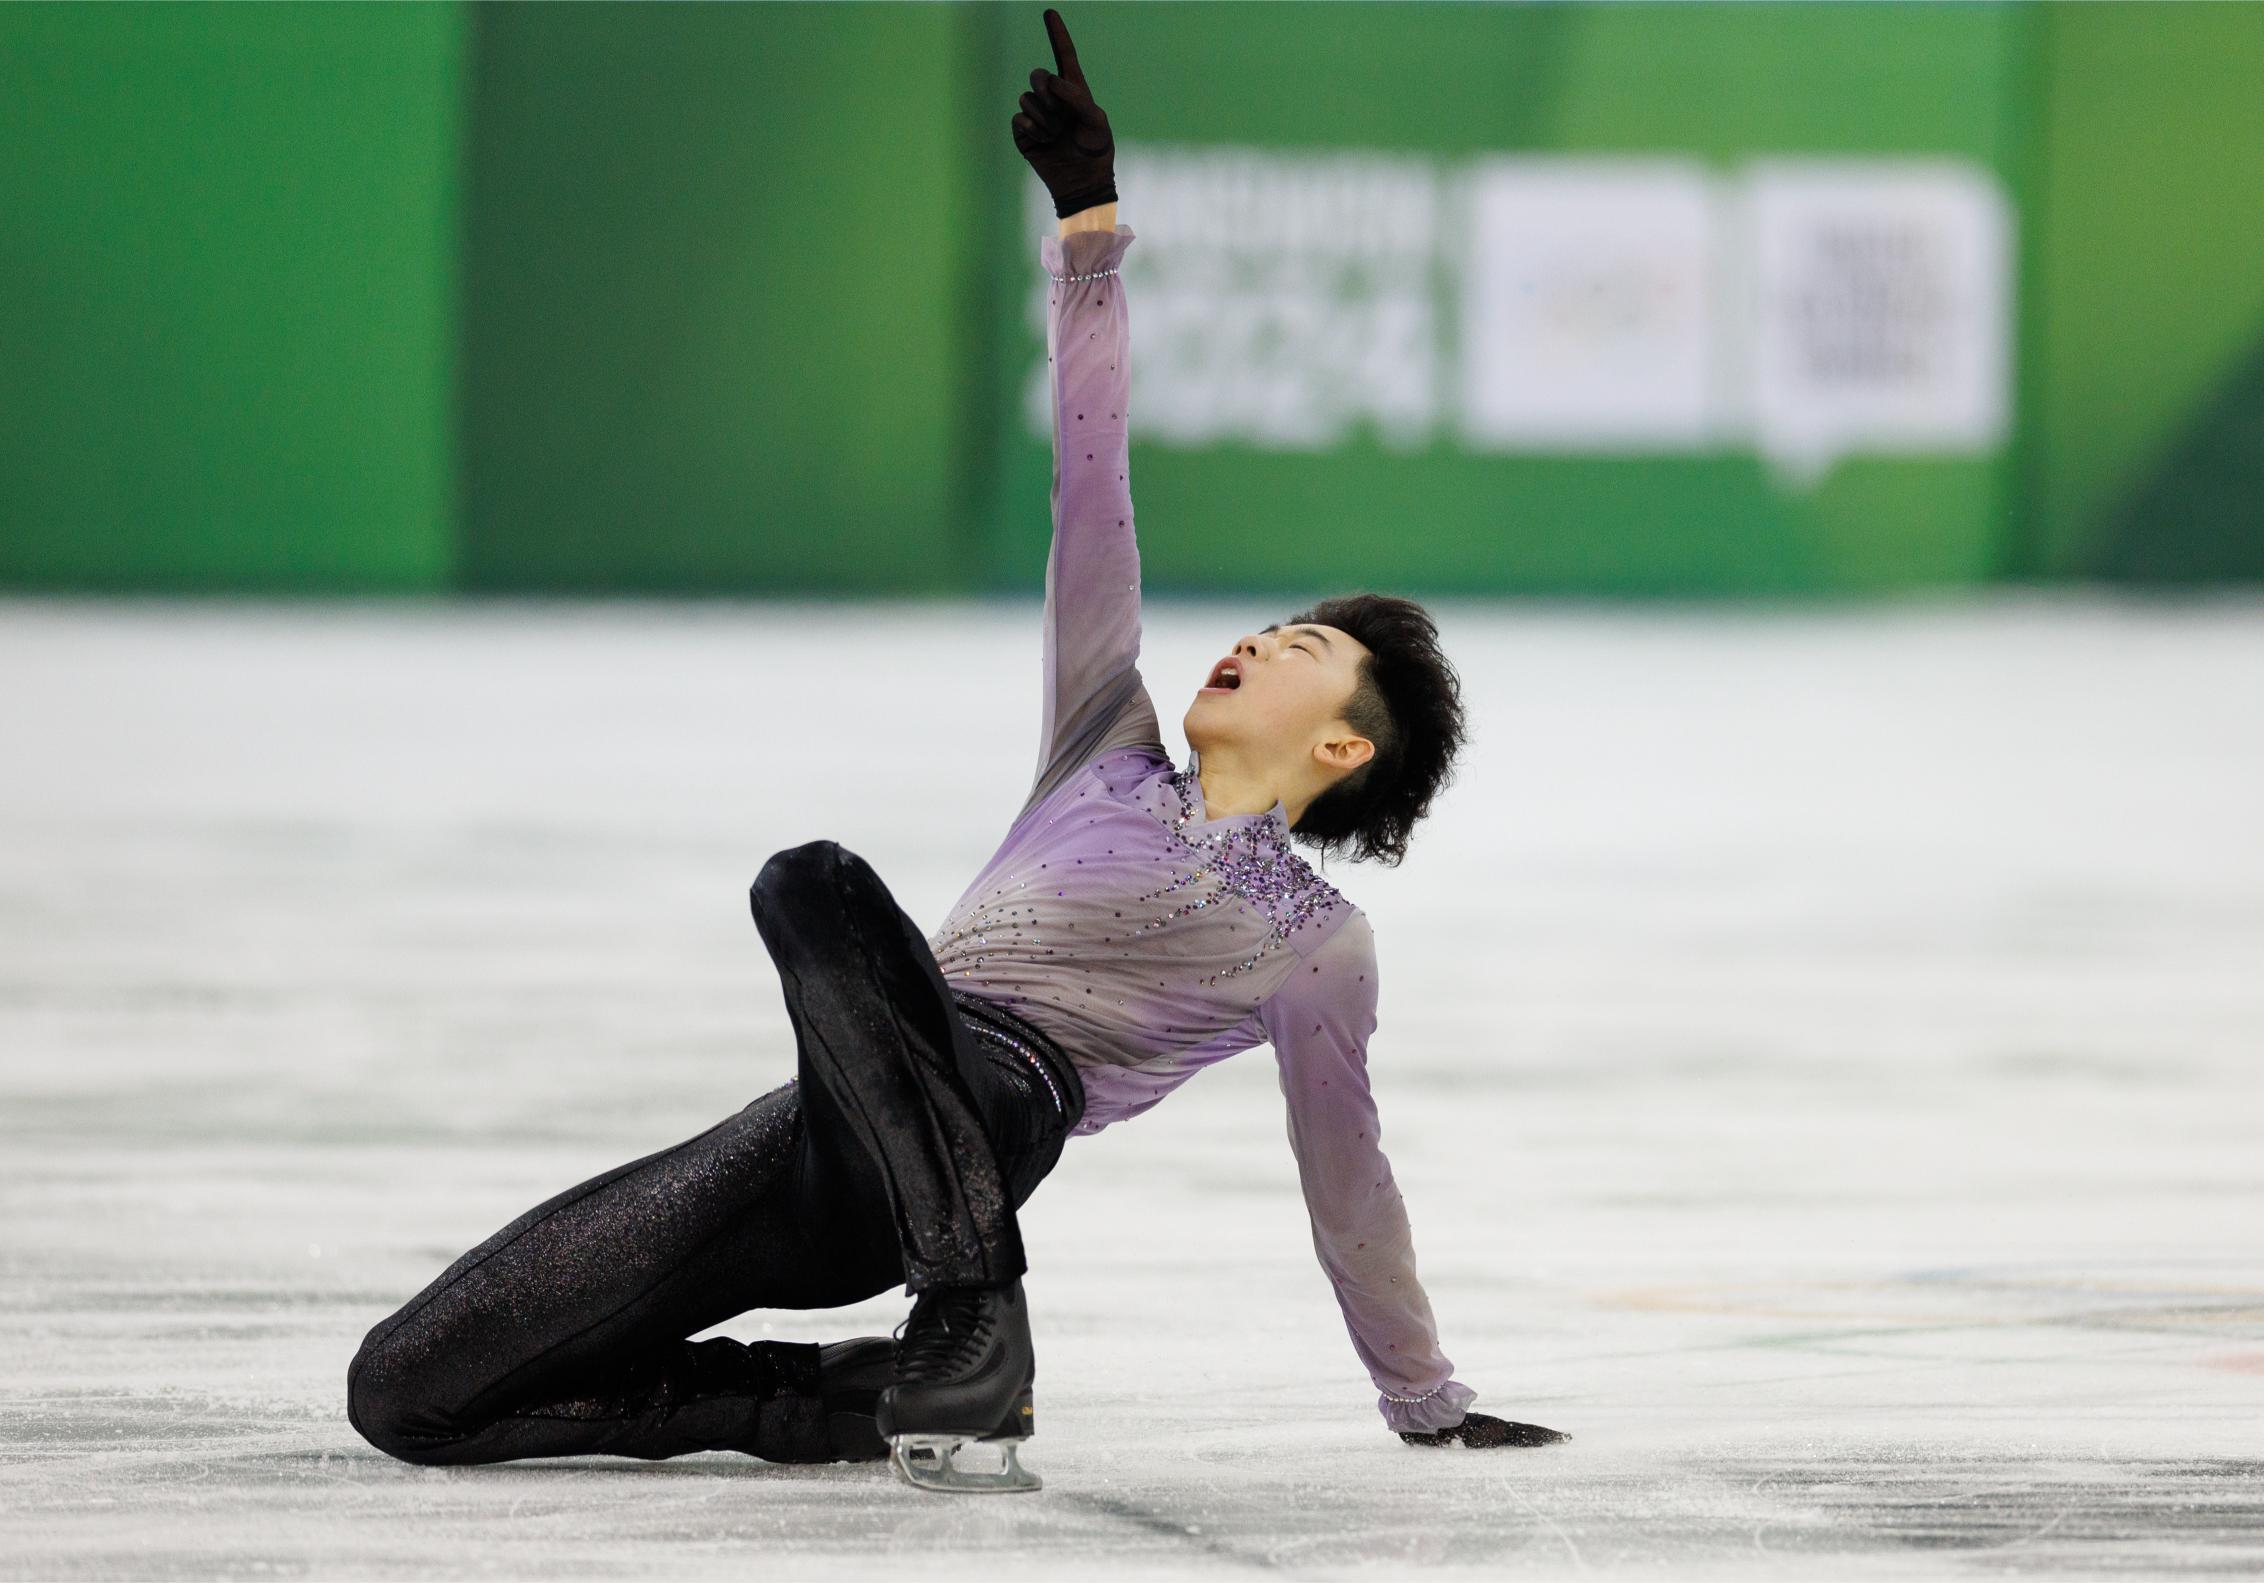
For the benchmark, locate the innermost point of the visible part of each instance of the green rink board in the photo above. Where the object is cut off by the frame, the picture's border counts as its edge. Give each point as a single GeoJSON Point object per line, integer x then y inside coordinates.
{"type": "Point", "coordinates": [617, 297]}
{"type": "Point", "coordinates": [227, 328]}
{"type": "Point", "coordinates": [1727, 83]}
{"type": "Point", "coordinates": [2146, 280]}
{"type": "Point", "coordinates": [713, 336]}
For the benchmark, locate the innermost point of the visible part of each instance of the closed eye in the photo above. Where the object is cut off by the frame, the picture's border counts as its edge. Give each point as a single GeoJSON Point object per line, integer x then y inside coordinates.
{"type": "Point", "coordinates": [1315, 653]}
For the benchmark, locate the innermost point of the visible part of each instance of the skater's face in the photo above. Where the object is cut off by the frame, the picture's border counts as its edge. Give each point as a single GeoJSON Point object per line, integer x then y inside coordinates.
{"type": "Point", "coordinates": [1285, 707]}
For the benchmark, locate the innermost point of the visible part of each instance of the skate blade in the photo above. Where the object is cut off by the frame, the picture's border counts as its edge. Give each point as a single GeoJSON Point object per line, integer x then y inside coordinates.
{"type": "Point", "coordinates": [924, 1461]}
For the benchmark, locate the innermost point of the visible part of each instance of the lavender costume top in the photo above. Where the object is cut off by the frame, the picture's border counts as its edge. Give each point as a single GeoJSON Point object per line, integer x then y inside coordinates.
{"type": "Point", "coordinates": [1150, 940]}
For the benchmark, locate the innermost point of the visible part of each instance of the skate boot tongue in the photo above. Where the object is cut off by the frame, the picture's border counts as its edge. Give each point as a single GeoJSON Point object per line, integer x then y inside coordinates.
{"type": "Point", "coordinates": [946, 1331]}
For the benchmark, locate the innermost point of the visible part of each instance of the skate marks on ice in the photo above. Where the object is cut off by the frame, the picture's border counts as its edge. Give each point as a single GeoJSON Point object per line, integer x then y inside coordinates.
{"type": "Point", "coordinates": [1986, 1474]}
{"type": "Point", "coordinates": [2171, 1297]}
{"type": "Point", "coordinates": [1848, 1133]}
{"type": "Point", "coordinates": [249, 1503]}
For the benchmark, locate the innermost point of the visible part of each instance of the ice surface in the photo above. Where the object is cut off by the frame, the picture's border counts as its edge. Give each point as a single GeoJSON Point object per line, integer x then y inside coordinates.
{"type": "Point", "coordinates": [1823, 1053]}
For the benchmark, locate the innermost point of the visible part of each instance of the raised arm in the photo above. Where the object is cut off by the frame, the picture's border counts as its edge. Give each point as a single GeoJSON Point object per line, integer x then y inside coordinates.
{"type": "Point", "coordinates": [1319, 1023]}
{"type": "Point", "coordinates": [1093, 699]}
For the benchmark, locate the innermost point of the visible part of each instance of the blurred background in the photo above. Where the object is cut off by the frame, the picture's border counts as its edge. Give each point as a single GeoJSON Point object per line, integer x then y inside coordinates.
{"type": "Point", "coordinates": [1487, 299]}
{"type": "Point", "coordinates": [1819, 1024]}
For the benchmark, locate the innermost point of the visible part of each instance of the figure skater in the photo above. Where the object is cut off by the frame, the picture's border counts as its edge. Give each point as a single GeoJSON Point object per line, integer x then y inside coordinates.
{"type": "Point", "coordinates": [1139, 923]}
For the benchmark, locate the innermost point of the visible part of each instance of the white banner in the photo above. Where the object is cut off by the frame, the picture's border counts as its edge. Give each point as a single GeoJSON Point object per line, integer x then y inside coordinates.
{"type": "Point", "coordinates": [1801, 309]}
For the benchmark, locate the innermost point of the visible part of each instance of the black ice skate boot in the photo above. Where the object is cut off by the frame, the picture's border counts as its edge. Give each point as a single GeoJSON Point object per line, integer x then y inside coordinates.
{"type": "Point", "coordinates": [821, 1399]}
{"type": "Point", "coordinates": [964, 1372]}
{"type": "Point", "coordinates": [851, 1376]}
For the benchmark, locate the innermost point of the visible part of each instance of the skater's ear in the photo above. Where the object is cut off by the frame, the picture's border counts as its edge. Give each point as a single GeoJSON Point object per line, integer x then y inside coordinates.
{"type": "Point", "coordinates": [1406, 702]}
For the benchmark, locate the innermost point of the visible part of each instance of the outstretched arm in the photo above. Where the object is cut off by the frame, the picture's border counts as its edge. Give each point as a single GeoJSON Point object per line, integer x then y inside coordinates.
{"type": "Point", "coordinates": [1093, 699]}
{"type": "Point", "coordinates": [1319, 1023]}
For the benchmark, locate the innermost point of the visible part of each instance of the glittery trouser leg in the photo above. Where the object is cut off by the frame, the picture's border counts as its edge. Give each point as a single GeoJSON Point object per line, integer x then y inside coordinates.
{"type": "Point", "coordinates": [564, 1333]}
{"type": "Point", "coordinates": [878, 1028]}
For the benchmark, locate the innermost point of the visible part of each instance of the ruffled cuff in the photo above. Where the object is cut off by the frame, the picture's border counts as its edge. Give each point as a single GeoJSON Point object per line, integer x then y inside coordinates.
{"type": "Point", "coordinates": [1439, 1408]}
{"type": "Point", "coordinates": [1083, 252]}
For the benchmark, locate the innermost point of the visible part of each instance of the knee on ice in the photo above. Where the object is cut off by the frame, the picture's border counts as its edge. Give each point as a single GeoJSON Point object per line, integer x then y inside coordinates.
{"type": "Point", "coordinates": [390, 1415]}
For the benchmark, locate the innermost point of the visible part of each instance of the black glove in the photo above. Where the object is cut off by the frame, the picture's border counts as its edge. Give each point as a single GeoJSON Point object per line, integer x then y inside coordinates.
{"type": "Point", "coordinates": [1063, 134]}
{"type": "Point", "coordinates": [1476, 1429]}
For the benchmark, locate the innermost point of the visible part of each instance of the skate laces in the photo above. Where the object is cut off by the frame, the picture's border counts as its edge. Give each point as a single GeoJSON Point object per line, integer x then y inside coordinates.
{"type": "Point", "coordinates": [945, 1330]}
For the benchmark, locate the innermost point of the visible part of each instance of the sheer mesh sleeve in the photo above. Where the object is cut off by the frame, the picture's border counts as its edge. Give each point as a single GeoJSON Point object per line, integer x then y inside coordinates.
{"type": "Point", "coordinates": [1319, 1023]}
{"type": "Point", "coordinates": [1094, 699]}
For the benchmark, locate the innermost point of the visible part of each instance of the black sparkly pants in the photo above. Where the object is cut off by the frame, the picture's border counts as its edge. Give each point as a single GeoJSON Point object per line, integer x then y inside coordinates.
{"type": "Point", "coordinates": [918, 1121]}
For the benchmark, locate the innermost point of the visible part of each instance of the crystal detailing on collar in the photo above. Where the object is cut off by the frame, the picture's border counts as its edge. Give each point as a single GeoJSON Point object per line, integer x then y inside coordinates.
{"type": "Point", "coordinates": [1253, 861]}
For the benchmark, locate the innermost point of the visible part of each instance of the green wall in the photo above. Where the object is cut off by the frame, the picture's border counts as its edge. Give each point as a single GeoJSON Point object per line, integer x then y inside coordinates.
{"type": "Point", "coordinates": [2146, 290]}
{"type": "Point", "coordinates": [227, 295]}
{"type": "Point", "coordinates": [1722, 82]}
{"type": "Point", "coordinates": [713, 333]}
{"type": "Point", "coordinates": [643, 297]}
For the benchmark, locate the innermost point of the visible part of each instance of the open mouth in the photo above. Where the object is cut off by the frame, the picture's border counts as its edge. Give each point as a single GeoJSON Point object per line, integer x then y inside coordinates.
{"type": "Point", "coordinates": [1226, 676]}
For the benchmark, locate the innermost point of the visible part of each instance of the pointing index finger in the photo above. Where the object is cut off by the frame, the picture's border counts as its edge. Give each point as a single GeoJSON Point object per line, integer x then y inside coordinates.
{"type": "Point", "coordinates": [1064, 52]}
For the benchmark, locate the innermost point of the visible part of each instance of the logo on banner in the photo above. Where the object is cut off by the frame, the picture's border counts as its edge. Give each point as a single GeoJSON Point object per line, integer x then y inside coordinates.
{"type": "Point", "coordinates": [1802, 309]}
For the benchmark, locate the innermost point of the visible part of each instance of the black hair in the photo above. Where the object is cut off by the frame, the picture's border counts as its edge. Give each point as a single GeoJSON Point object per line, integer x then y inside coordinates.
{"type": "Point", "coordinates": [1407, 700]}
